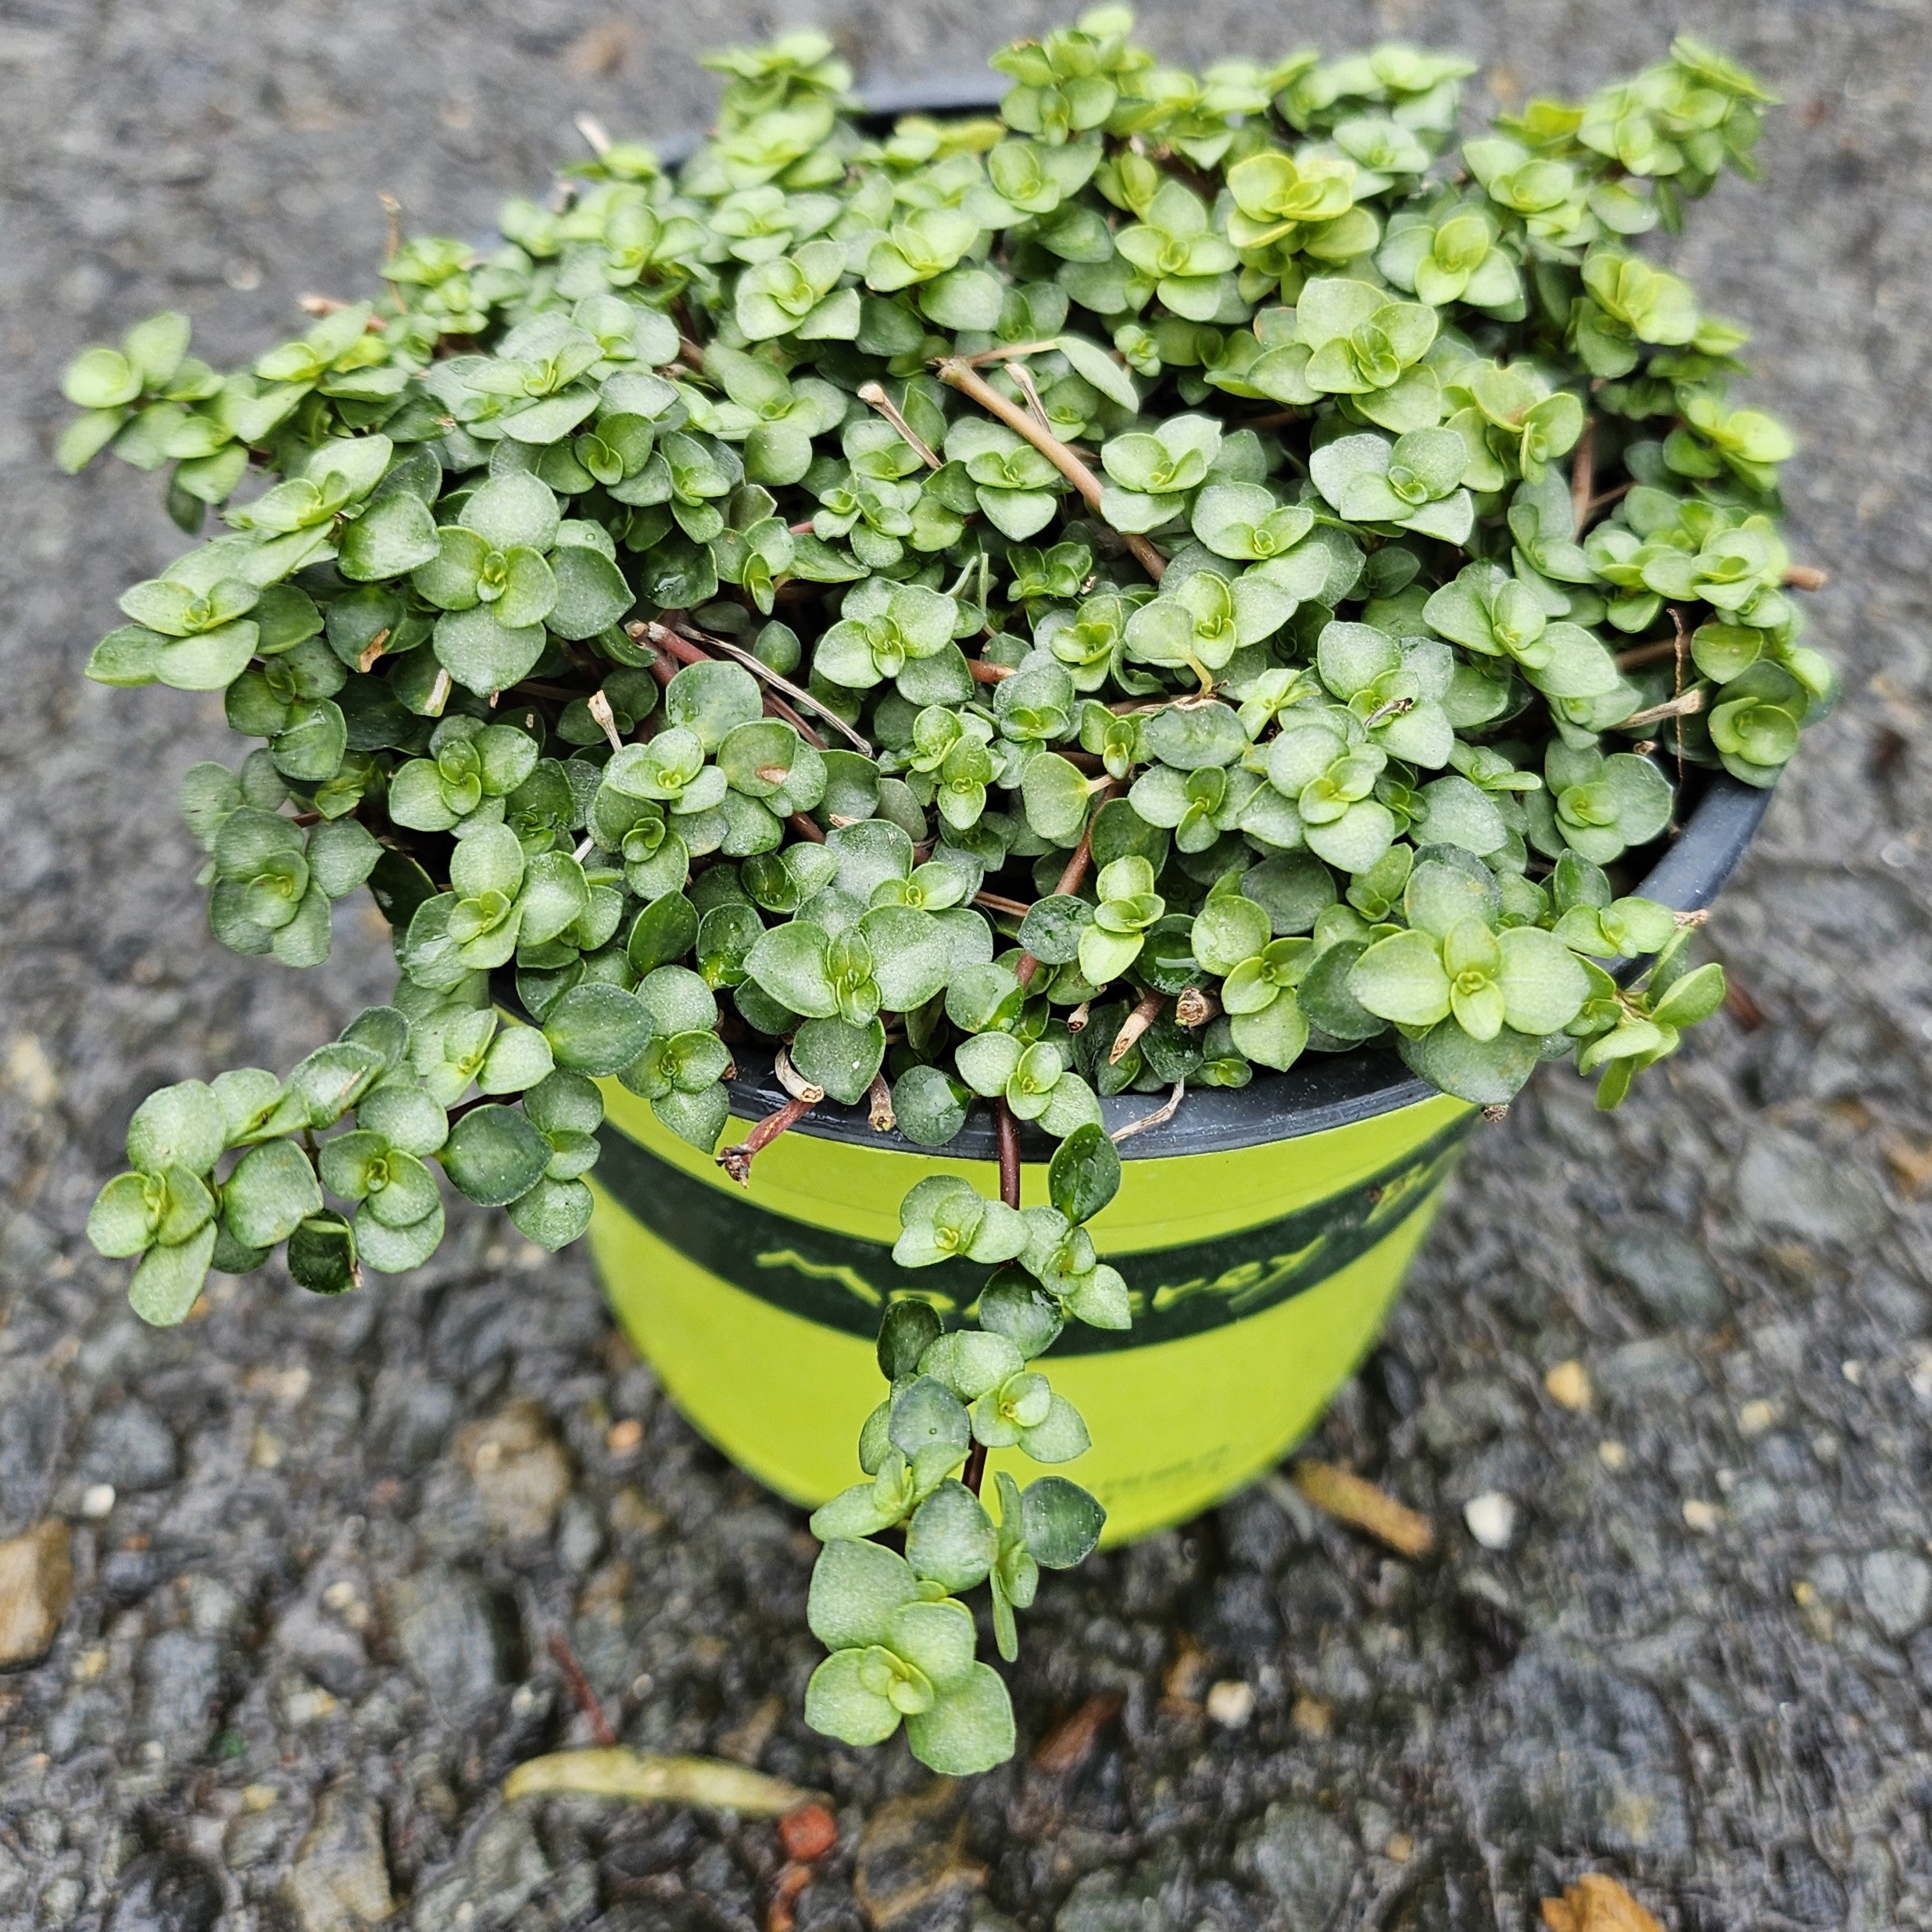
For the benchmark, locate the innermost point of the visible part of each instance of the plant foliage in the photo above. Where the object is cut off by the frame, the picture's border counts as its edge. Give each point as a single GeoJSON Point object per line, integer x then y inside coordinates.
{"type": "Point", "coordinates": [1190, 572]}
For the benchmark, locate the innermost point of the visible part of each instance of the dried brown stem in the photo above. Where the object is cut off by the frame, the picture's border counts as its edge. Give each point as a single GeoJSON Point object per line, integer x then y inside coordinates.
{"type": "Point", "coordinates": [878, 1099]}
{"type": "Point", "coordinates": [1007, 351]}
{"type": "Point", "coordinates": [586, 1699]}
{"type": "Point", "coordinates": [1196, 1007]}
{"type": "Point", "coordinates": [1075, 870]}
{"type": "Point", "coordinates": [1159, 1118]}
{"type": "Point", "coordinates": [958, 375]}
{"type": "Point", "coordinates": [1583, 472]}
{"type": "Point", "coordinates": [598, 705]}
{"type": "Point", "coordinates": [795, 1082]}
{"type": "Point", "coordinates": [1684, 706]}
{"type": "Point", "coordinates": [998, 902]}
{"type": "Point", "coordinates": [760, 670]}
{"type": "Point", "coordinates": [807, 826]}
{"type": "Point", "coordinates": [1655, 652]}
{"type": "Point", "coordinates": [736, 1161]}
{"type": "Point", "coordinates": [873, 394]}
{"type": "Point", "coordinates": [1355, 1500]}
{"type": "Point", "coordinates": [1602, 501]}
{"type": "Point", "coordinates": [1275, 419]}
{"type": "Point", "coordinates": [1807, 576]}
{"type": "Point", "coordinates": [1147, 1010]}
{"type": "Point", "coordinates": [985, 673]}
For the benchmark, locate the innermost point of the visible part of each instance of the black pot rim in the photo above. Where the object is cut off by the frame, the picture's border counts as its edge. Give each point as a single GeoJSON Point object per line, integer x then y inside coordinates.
{"type": "Point", "coordinates": [1322, 1090]}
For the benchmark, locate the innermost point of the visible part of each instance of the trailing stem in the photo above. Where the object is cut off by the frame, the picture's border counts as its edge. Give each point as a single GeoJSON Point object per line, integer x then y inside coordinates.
{"type": "Point", "coordinates": [958, 375]}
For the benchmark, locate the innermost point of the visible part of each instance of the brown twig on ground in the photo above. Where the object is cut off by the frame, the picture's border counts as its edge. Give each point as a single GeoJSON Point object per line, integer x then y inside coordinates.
{"type": "Point", "coordinates": [1071, 1742]}
{"type": "Point", "coordinates": [1159, 1118]}
{"type": "Point", "coordinates": [1354, 1500]}
{"type": "Point", "coordinates": [579, 1685]}
{"type": "Point", "coordinates": [736, 1161]}
{"type": "Point", "coordinates": [781, 1913]}
{"type": "Point", "coordinates": [1741, 1003]}
{"type": "Point", "coordinates": [1806, 576]}
{"type": "Point", "coordinates": [1583, 472]}
{"type": "Point", "coordinates": [1147, 1010]}
{"type": "Point", "coordinates": [957, 374]}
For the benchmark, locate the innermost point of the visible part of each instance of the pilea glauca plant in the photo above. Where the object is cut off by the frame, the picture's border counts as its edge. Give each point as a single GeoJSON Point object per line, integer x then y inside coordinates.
{"type": "Point", "coordinates": [1190, 571]}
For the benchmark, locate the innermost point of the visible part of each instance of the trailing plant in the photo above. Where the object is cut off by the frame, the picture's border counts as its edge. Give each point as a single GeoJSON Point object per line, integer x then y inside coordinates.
{"type": "Point", "coordinates": [996, 611]}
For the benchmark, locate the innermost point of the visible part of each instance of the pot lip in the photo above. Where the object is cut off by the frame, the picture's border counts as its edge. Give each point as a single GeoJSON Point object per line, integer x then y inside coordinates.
{"type": "Point", "coordinates": [1321, 1091]}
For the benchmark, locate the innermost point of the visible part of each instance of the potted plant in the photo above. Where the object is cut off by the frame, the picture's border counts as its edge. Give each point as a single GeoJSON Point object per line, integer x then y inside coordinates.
{"type": "Point", "coordinates": [1194, 617]}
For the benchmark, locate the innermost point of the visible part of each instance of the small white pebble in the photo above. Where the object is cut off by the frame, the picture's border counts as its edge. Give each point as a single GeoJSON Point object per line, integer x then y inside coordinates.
{"type": "Point", "coordinates": [1230, 1703]}
{"type": "Point", "coordinates": [1699, 1515]}
{"type": "Point", "coordinates": [1612, 1455]}
{"type": "Point", "coordinates": [1492, 1519]}
{"type": "Point", "coordinates": [97, 1500]}
{"type": "Point", "coordinates": [1754, 1417]}
{"type": "Point", "coordinates": [1853, 1372]}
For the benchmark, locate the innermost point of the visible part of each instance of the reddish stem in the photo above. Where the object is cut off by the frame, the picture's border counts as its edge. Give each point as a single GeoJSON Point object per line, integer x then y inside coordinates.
{"type": "Point", "coordinates": [1076, 870]}
{"type": "Point", "coordinates": [736, 1161]}
{"type": "Point", "coordinates": [987, 674]}
{"type": "Point", "coordinates": [1007, 1129]}
{"type": "Point", "coordinates": [580, 1689]}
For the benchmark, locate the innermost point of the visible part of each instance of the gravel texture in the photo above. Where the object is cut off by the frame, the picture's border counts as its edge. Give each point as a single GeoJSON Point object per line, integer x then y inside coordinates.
{"type": "Point", "coordinates": [303, 1560]}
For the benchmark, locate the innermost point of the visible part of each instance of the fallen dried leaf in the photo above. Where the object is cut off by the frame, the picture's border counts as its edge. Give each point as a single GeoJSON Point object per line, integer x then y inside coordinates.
{"type": "Point", "coordinates": [643, 1777]}
{"type": "Point", "coordinates": [1910, 1165]}
{"type": "Point", "coordinates": [1596, 1904]}
{"type": "Point", "coordinates": [1354, 1500]}
{"type": "Point", "coordinates": [780, 1915]}
{"type": "Point", "coordinates": [1071, 1742]}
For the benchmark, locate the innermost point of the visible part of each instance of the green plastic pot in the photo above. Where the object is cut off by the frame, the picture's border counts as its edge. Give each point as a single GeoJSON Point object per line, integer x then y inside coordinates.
{"type": "Point", "coordinates": [1263, 1234]}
